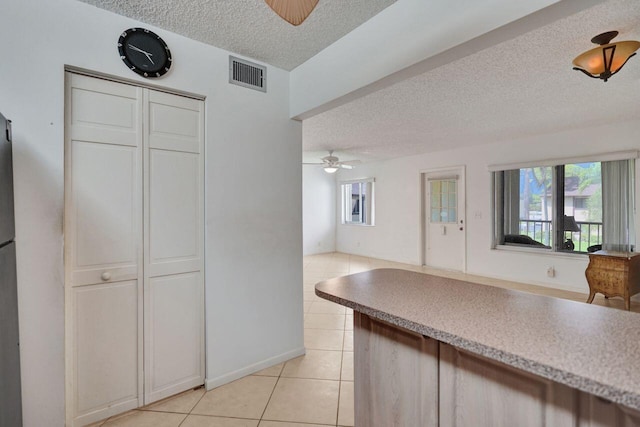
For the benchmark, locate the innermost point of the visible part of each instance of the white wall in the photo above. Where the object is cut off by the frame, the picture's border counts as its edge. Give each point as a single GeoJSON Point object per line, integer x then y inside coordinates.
{"type": "Point", "coordinates": [318, 210]}
{"type": "Point", "coordinates": [396, 235]}
{"type": "Point", "coordinates": [253, 195]}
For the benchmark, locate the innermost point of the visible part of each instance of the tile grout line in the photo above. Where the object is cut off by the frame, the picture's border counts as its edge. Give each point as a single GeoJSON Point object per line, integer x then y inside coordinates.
{"type": "Point", "coordinates": [194, 406]}
{"type": "Point", "coordinates": [341, 365]}
{"type": "Point", "coordinates": [271, 395]}
{"type": "Point", "coordinates": [343, 329]}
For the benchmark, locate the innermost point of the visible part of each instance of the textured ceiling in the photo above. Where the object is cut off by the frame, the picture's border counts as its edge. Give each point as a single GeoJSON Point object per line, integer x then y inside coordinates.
{"type": "Point", "coordinates": [522, 87]}
{"type": "Point", "coordinates": [250, 27]}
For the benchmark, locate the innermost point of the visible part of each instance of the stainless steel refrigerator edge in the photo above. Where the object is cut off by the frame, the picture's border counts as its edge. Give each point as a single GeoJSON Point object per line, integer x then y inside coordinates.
{"type": "Point", "coordinates": [10, 388]}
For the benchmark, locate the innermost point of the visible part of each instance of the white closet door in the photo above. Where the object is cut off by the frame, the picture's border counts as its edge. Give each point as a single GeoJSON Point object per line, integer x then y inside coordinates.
{"type": "Point", "coordinates": [103, 248]}
{"type": "Point", "coordinates": [174, 234]}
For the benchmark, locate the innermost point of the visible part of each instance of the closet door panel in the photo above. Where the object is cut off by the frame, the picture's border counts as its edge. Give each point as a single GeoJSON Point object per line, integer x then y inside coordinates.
{"type": "Point", "coordinates": [106, 209]}
{"type": "Point", "coordinates": [174, 212]}
{"type": "Point", "coordinates": [106, 353]}
{"type": "Point", "coordinates": [175, 123]}
{"type": "Point", "coordinates": [103, 248]}
{"type": "Point", "coordinates": [174, 235]}
{"type": "Point", "coordinates": [104, 111]}
{"type": "Point", "coordinates": [176, 329]}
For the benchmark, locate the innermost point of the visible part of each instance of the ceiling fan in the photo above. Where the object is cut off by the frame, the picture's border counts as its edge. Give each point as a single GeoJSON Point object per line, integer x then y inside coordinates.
{"type": "Point", "coordinates": [331, 163]}
{"type": "Point", "coordinates": [292, 11]}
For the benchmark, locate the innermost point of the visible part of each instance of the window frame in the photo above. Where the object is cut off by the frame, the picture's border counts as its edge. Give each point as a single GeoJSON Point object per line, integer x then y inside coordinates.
{"type": "Point", "coordinates": [346, 216]}
{"type": "Point", "coordinates": [497, 200]}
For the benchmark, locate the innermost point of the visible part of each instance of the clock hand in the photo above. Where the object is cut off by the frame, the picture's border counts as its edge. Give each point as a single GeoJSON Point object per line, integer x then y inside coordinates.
{"type": "Point", "coordinates": [147, 54]}
{"type": "Point", "coordinates": [137, 49]}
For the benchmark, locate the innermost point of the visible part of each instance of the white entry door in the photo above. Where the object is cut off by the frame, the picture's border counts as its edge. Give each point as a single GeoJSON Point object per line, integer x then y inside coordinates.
{"type": "Point", "coordinates": [445, 224]}
{"type": "Point", "coordinates": [134, 230]}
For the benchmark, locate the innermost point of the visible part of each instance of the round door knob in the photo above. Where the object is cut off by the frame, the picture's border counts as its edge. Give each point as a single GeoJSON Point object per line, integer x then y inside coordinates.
{"type": "Point", "coordinates": [106, 275]}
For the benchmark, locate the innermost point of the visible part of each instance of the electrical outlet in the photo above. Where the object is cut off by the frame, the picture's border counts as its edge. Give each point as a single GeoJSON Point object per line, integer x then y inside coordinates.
{"type": "Point", "coordinates": [551, 272]}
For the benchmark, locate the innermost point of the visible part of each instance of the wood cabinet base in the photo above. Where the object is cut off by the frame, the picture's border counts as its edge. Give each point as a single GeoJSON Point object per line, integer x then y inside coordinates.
{"type": "Point", "coordinates": [396, 375]}
{"type": "Point", "coordinates": [405, 379]}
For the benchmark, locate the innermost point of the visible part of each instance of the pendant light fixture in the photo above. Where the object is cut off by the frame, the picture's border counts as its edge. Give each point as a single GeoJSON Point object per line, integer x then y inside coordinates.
{"type": "Point", "coordinates": [607, 59]}
{"type": "Point", "coordinates": [293, 11]}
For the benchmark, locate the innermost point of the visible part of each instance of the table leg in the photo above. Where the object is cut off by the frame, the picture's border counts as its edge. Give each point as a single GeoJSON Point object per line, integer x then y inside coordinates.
{"type": "Point", "coordinates": [627, 303]}
{"type": "Point", "coordinates": [592, 294]}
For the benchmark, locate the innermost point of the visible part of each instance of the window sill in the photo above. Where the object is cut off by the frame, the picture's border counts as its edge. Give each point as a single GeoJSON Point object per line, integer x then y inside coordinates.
{"type": "Point", "coordinates": [540, 251]}
{"type": "Point", "coordinates": [348, 224]}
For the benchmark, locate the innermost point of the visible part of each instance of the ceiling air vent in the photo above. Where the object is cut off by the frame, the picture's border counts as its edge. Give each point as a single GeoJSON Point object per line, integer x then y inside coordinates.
{"type": "Point", "coordinates": [247, 74]}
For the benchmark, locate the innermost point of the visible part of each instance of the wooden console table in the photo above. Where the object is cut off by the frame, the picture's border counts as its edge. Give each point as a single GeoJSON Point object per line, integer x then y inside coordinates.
{"type": "Point", "coordinates": [614, 274]}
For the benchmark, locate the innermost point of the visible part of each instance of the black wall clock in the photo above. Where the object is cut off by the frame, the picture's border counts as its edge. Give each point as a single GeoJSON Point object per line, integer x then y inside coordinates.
{"type": "Point", "coordinates": [144, 52]}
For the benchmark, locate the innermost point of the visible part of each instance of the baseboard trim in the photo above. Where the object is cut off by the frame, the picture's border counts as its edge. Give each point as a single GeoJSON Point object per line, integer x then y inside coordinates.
{"type": "Point", "coordinates": [211, 383]}
{"type": "Point", "coordinates": [103, 413]}
{"type": "Point", "coordinates": [408, 261]}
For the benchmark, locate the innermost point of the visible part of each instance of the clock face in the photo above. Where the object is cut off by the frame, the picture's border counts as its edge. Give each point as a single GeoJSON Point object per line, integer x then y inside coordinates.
{"type": "Point", "coordinates": [144, 52]}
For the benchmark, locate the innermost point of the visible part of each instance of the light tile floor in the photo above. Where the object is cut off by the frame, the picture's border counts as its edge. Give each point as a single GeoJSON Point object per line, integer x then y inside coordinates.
{"type": "Point", "coordinates": [315, 389]}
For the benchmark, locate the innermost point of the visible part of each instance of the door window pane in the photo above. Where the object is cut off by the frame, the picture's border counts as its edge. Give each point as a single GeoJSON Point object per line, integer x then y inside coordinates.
{"type": "Point", "coordinates": [444, 200]}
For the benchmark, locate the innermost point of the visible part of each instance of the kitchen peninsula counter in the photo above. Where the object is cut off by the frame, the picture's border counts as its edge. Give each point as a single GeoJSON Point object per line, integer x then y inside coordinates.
{"type": "Point", "coordinates": [578, 347]}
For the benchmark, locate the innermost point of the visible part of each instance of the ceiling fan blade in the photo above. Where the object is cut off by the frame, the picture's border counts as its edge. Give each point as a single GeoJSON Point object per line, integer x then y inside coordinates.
{"type": "Point", "coordinates": [351, 162]}
{"type": "Point", "coordinates": [293, 11]}
{"type": "Point", "coordinates": [332, 161]}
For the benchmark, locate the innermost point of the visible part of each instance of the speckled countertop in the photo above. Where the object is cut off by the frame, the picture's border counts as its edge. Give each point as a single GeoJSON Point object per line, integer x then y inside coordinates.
{"type": "Point", "coordinates": [594, 349]}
